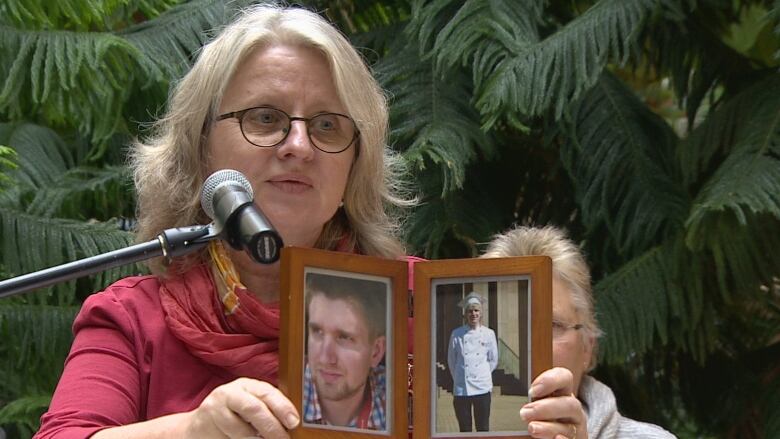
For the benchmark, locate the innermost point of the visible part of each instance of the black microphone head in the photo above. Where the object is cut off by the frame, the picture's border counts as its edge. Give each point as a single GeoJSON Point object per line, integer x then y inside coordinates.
{"type": "Point", "coordinates": [217, 180]}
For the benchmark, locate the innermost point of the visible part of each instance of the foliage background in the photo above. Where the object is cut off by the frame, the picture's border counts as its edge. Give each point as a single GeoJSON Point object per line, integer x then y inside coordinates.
{"type": "Point", "coordinates": [649, 129]}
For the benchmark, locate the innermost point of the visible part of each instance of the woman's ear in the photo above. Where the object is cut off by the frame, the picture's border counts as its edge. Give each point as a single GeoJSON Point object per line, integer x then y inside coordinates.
{"type": "Point", "coordinates": [588, 344]}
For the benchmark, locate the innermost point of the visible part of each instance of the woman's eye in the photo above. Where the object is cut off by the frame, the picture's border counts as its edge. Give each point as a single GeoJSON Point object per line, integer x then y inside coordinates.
{"type": "Point", "coordinates": [267, 118]}
{"type": "Point", "coordinates": [324, 123]}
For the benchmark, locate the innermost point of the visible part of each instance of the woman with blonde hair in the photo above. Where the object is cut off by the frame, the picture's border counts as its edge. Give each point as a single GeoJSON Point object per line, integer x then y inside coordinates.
{"type": "Point", "coordinates": [566, 402]}
{"type": "Point", "coordinates": [192, 350]}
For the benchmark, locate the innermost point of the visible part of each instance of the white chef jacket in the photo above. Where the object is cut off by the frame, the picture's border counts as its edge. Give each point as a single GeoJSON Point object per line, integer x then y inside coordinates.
{"type": "Point", "coordinates": [472, 355]}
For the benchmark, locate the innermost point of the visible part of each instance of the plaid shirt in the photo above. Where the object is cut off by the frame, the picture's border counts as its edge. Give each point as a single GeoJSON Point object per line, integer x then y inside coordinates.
{"type": "Point", "coordinates": [312, 412]}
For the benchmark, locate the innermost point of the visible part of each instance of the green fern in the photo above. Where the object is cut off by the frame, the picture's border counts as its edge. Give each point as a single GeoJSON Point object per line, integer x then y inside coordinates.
{"type": "Point", "coordinates": [365, 17]}
{"type": "Point", "coordinates": [479, 35]}
{"type": "Point", "coordinates": [432, 119]}
{"type": "Point", "coordinates": [84, 79]}
{"type": "Point", "coordinates": [167, 42]}
{"type": "Point", "coordinates": [618, 155]}
{"type": "Point", "coordinates": [458, 222]}
{"type": "Point", "coordinates": [35, 341]}
{"type": "Point", "coordinates": [70, 79]}
{"type": "Point", "coordinates": [7, 162]}
{"type": "Point", "coordinates": [78, 15]}
{"type": "Point", "coordinates": [553, 72]}
{"type": "Point", "coordinates": [632, 305]}
{"type": "Point", "coordinates": [106, 188]}
{"type": "Point", "coordinates": [42, 155]}
{"type": "Point", "coordinates": [57, 241]}
{"type": "Point", "coordinates": [29, 348]}
{"type": "Point", "coordinates": [24, 413]}
{"type": "Point", "coordinates": [748, 179]}
{"type": "Point", "coordinates": [774, 14]}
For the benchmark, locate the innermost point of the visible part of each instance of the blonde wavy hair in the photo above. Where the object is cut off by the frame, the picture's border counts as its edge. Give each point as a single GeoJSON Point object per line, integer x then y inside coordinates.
{"type": "Point", "coordinates": [568, 265]}
{"type": "Point", "coordinates": [171, 165]}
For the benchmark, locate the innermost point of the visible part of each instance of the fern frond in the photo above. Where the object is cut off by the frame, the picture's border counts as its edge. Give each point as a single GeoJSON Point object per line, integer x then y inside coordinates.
{"type": "Point", "coordinates": [559, 69]}
{"type": "Point", "coordinates": [618, 155]}
{"type": "Point", "coordinates": [43, 156]}
{"type": "Point", "coordinates": [657, 298]}
{"type": "Point", "coordinates": [25, 413]}
{"type": "Point", "coordinates": [69, 79]}
{"type": "Point", "coordinates": [40, 14]}
{"type": "Point", "coordinates": [432, 118]}
{"type": "Point", "coordinates": [7, 162]}
{"type": "Point", "coordinates": [705, 64]}
{"type": "Point", "coordinates": [31, 243]}
{"type": "Point", "coordinates": [78, 15]}
{"type": "Point", "coordinates": [771, 406]}
{"type": "Point", "coordinates": [481, 34]}
{"type": "Point", "coordinates": [468, 216]}
{"type": "Point", "coordinates": [36, 339]}
{"type": "Point", "coordinates": [428, 19]}
{"type": "Point", "coordinates": [355, 18]}
{"type": "Point", "coordinates": [744, 256]}
{"type": "Point", "coordinates": [748, 179]}
{"type": "Point", "coordinates": [632, 306]}
{"type": "Point", "coordinates": [169, 41]}
{"type": "Point", "coordinates": [774, 14]}
{"type": "Point", "coordinates": [106, 187]}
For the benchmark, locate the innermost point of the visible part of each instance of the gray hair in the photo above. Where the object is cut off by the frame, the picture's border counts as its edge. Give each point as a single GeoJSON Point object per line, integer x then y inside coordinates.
{"type": "Point", "coordinates": [170, 166]}
{"type": "Point", "coordinates": [568, 265]}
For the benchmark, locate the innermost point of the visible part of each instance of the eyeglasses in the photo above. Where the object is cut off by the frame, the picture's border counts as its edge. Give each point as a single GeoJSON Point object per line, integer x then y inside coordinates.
{"type": "Point", "coordinates": [559, 329]}
{"type": "Point", "coordinates": [267, 127]}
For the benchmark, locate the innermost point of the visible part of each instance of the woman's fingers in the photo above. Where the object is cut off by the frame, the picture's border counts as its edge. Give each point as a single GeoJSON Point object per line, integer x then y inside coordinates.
{"type": "Point", "coordinates": [557, 381]}
{"type": "Point", "coordinates": [263, 408]}
{"type": "Point", "coordinates": [280, 407]}
{"type": "Point", "coordinates": [232, 425]}
{"type": "Point", "coordinates": [244, 408]}
{"type": "Point", "coordinates": [560, 408]}
{"type": "Point", "coordinates": [553, 430]}
{"type": "Point", "coordinates": [555, 412]}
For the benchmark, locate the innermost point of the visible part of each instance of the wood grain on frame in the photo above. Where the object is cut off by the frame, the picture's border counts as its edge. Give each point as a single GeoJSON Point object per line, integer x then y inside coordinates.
{"type": "Point", "coordinates": [291, 350]}
{"type": "Point", "coordinates": [538, 268]}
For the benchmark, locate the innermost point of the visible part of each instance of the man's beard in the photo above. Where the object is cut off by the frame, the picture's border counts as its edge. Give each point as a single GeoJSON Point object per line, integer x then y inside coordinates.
{"type": "Point", "coordinates": [336, 391]}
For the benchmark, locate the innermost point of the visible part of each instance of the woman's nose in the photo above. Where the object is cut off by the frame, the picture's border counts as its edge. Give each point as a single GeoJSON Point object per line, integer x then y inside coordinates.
{"type": "Point", "coordinates": [297, 142]}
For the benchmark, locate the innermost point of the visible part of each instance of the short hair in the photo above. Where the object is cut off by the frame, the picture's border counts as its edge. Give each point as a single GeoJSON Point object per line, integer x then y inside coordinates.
{"type": "Point", "coordinates": [568, 265]}
{"type": "Point", "coordinates": [170, 165]}
{"type": "Point", "coordinates": [369, 296]}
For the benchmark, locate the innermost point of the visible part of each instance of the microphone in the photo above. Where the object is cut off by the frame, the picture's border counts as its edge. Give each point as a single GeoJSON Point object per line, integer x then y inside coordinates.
{"type": "Point", "coordinates": [227, 198]}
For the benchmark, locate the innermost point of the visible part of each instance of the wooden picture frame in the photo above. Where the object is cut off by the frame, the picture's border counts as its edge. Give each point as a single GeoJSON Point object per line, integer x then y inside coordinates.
{"type": "Point", "coordinates": [434, 284]}
{"type": "Point", "coordinates": [346, 270]}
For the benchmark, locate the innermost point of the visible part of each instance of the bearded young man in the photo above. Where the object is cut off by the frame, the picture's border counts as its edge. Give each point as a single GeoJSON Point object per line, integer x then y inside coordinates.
{"type": "Point", "coordinates": [344, 378]}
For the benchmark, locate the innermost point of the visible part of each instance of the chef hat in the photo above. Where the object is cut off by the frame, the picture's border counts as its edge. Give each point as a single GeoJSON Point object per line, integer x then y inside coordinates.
{"type": "Point", "coordinates": [473, 298]}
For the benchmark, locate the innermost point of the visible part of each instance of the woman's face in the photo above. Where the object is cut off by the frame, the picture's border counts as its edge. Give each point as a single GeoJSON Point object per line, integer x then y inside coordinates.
{"type": "Point", "coordinates": [570, 348]}
{"type": "Point", "coordinates": [296, 185]}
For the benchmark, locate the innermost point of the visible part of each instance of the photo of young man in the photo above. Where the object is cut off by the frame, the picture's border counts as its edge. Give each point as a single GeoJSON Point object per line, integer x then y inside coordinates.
{"type": "Point", "coordinates": [344, 375]}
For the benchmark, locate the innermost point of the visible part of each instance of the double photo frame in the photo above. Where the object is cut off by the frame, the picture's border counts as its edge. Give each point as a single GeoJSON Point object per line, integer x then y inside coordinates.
{"type": "Point", "coordinates": [357, 365]}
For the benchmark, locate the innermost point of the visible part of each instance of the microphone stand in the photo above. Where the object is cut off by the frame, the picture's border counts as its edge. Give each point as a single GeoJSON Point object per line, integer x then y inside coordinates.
{"type": "Point", "coordinates": [170, 243]}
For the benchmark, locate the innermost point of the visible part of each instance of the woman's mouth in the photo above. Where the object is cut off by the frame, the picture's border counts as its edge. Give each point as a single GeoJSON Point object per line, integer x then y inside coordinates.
{"type": "Point", "coordinates": [291, 184]}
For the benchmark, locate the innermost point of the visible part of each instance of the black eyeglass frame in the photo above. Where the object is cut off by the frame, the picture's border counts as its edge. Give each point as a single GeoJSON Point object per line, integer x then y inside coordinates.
{"type": "Point", "coordinates": [239, 115]}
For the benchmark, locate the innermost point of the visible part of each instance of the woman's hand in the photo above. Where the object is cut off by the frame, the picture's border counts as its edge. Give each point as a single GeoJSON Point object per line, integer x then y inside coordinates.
{"type": "Point", "coordinates": [243, 408]}
{"type": "Point", "coordinates": [555, 412]}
